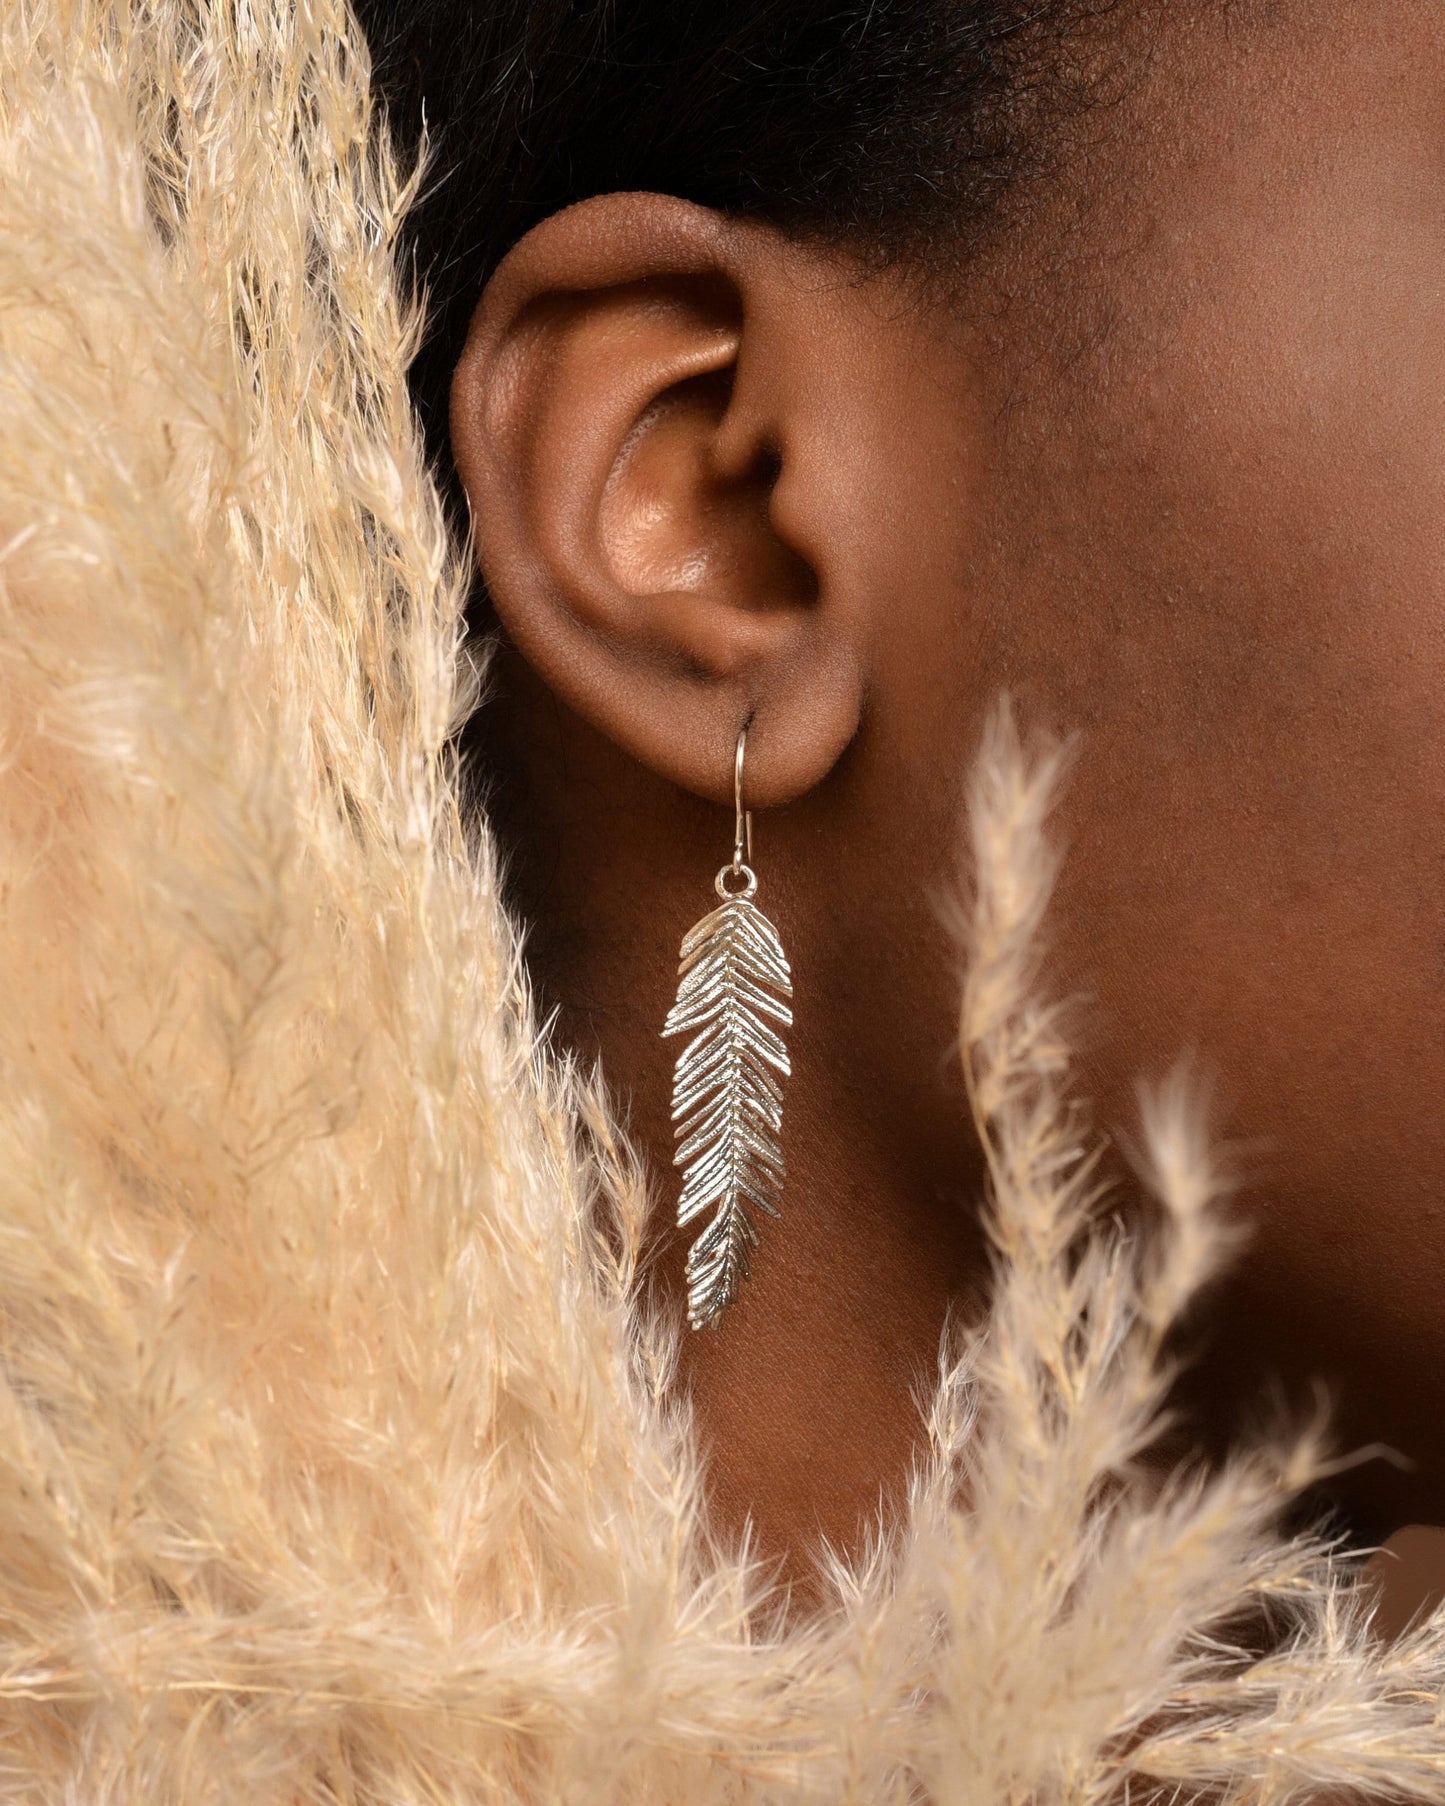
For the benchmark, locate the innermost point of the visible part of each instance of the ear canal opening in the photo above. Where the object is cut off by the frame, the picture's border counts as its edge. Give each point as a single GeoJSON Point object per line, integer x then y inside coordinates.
{"type": "Point", "coordinates": [671, 521]}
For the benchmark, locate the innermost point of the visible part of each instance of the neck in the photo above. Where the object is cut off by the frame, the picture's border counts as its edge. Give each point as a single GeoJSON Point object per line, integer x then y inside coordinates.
{"type": "Point", "coordinates": [805, 1393]}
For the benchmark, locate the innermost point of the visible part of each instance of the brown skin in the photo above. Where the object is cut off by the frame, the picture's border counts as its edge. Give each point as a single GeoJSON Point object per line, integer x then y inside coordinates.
{"type": "Point", "coordinates": [1168, 463]}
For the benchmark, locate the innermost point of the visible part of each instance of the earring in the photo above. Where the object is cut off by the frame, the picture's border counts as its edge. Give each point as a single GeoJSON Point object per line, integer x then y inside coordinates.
{"type": "Point", "coordinates": [727, 1099]}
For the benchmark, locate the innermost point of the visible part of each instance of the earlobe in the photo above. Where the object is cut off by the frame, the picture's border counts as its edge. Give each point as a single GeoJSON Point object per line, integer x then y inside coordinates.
{"type": "Point", "coordinates": [624, 453]}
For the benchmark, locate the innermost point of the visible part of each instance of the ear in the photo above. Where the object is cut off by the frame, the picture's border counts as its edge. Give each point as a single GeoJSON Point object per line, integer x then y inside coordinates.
{"type": "Point", "coordinates": [650, 421]}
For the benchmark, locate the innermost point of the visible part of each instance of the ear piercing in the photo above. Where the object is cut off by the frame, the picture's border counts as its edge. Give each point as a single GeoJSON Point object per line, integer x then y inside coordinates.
{"type": "Point", "coordinates": [727, 1098]}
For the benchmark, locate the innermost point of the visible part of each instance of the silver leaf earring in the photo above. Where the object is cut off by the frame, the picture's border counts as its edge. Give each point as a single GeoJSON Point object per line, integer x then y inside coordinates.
{"type": "Point", "coordinates": [727, 1099]}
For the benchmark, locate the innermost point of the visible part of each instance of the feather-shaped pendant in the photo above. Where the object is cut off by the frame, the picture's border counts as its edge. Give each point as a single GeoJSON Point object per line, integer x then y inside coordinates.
{"type": "Point", "coordinates": [727, 1097]}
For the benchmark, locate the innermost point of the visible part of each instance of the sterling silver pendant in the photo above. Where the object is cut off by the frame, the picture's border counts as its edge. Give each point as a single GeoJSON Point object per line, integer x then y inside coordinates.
{"type": "Point", "coordinates": [727, 1098]}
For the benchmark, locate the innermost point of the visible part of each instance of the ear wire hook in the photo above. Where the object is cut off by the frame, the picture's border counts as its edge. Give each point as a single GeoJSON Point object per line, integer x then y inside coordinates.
{"type": "Point", "coordinates": [733, 1001]}
{"type": "Point", "coordinates": [743, 825]}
